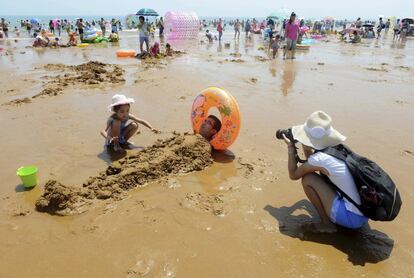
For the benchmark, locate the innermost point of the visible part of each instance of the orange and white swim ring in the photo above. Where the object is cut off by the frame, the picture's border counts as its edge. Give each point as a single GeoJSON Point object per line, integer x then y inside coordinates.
{"type": "Point", "coordinates": [229, 111]}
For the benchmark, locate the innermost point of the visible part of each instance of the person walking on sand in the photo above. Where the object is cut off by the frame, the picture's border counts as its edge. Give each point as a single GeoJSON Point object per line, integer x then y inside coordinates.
{"type": "Point", "coordinates": [114, 26]}
{"type": "Point", "coordinates": [144, 29]}
{"type": "Point", "coordinates": [397, 30]}
{"type": "Point", "coordinates": [317, 134]}
{"type": "Point", "coordinates": [387, 26]}
{"type": "Point", "coordinates": [220, 29]}
{"type": "Point", "coordinates": [247, 28]}
{"type": "Point", "coordinates": [80, 25]}
{"type": "Point", "coordinates": [102, 24]}
{"type": "Point", "coordinates": [5, 26]}
{"type": "Point", "coordinates": [380, 26]}
{"type": "Point", "coordinates": [160, 25]}
{"type": "Point", "coordinates": [237, 29]}
{"type": "Point", "coordinates": [291, 34]}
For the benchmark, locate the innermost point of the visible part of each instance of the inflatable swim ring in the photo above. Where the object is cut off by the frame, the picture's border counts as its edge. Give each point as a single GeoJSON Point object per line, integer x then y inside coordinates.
{"type": "Point", "coordinates": [126, 53]}
{"type": "Point", "coordinates": [303, 46]}
{"type": "Point", "coordinates": [100, 39]}
{"type": "Point", "coordinates": [316, 37]}
{"type": "Point", "coordinates": [229, 111]}
{"type": "Point", "coordinates": [308, 41]}
{"type": "Point", "coordinates": [90, 37]}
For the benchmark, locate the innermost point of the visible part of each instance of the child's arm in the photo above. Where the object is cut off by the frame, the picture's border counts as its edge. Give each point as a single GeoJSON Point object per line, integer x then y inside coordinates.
{"type": "Point", "coordinates": [103, 133]}
{"type": "Point", "coordinates": [143, 122]}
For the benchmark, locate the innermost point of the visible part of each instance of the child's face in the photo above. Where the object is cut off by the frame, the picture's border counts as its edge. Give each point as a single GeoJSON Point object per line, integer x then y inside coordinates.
{"type": "Point", "coordinates": [123, 112]}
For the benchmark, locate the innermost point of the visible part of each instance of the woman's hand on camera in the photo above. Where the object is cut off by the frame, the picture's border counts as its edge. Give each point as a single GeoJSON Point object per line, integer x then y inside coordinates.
{"type": "Point", "coordinates": [287, 141]}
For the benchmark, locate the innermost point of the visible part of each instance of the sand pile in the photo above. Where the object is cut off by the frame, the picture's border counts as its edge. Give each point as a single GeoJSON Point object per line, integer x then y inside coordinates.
{"type": "Point", "coordinates": [90, 73]}
{"type": "Point", "coordinates": [159, 62]}
{"type": "Point", "coordinates": [175, 155]}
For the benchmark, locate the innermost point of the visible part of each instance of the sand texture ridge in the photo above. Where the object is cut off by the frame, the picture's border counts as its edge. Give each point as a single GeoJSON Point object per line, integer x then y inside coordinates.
{"type": "Point", "coordinates": [89, 73]}
{"type": "Point", "coordinates": [179, 154]}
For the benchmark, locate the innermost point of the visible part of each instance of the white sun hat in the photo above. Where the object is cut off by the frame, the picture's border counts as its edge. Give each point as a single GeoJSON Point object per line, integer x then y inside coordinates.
{"type": "Point", "coordinates": [317, 132]}
{"type": "Point", "coordinates": [120, 100]}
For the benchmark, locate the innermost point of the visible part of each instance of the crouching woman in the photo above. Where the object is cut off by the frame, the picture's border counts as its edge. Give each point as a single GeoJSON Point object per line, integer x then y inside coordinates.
{"type": "Point", "coordinates": [322, 169]}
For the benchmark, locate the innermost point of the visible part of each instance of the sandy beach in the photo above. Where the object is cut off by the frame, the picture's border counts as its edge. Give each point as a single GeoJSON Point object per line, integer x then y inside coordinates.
{"type": "Point", "coordinates": [233, 215]}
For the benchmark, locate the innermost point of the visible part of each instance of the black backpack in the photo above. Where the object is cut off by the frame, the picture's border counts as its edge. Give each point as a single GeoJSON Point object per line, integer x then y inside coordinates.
{"type": "Point", "coordinates": [380, 199]}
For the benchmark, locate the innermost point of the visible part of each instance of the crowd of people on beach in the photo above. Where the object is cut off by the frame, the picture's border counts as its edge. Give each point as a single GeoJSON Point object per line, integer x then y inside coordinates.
{"type": "Point", "coordinates": [287, 33]}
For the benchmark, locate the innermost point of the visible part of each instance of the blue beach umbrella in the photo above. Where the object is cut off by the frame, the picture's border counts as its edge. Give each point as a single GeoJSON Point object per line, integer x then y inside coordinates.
{"type": "Point", "coordinates": [147, 12]}
{"type": "Point", "coordinates": [34, 21]}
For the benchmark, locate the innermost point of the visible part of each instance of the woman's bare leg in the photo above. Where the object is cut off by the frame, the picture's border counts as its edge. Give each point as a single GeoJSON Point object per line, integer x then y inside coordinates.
{"type": "Point", "coordinates": [321, 195]}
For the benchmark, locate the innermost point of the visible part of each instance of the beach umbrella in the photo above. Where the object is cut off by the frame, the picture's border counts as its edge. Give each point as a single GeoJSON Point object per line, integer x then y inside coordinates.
{"type": "Point", "coordinates": [147, 12]}
{"type": "Point", "coordinates": [34, 21]}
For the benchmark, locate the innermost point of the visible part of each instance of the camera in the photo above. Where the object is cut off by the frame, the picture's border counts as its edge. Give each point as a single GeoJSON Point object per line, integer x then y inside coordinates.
{"type": "Point", "coordinates": [289, 135]}
{"type": "Point", "coordinates": [287, 132]}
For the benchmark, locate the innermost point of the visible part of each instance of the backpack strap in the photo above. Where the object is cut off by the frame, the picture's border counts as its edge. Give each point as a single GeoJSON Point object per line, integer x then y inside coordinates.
{"type": "Point", "coordinates": [340, 151]}
{"type": "Point", "coordinates": [343, 194]}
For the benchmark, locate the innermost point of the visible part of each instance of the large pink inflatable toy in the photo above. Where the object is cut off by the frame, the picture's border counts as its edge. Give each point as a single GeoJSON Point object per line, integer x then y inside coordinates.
{"type": "Point", "coordinates": [181, 25]}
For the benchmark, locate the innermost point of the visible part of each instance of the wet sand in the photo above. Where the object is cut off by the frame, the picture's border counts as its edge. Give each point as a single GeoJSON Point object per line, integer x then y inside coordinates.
{"type": "Point", "coordinates": [239, 217]}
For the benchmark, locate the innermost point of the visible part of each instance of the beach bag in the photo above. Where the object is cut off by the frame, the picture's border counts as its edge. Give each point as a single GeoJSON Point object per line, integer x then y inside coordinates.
{"type": "Point", "coordinates": [380, 199]}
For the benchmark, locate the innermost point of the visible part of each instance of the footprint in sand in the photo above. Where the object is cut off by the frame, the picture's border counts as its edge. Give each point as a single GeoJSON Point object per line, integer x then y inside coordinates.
{"type": "Point", "coordinates": [409, 153]}
{"type": "Point", "coordinates": [141, 268]}
{"type": "Point", "coordinates": [252, 80]}
{"type": "Point", "coordinates": [204, 202]}
{"type": "Point", "coordinates": [401, 102]}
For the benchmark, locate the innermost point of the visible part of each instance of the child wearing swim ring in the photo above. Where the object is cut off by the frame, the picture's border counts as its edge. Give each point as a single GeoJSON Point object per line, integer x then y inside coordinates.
{"type": "Point", "coordinates": [117, 131]}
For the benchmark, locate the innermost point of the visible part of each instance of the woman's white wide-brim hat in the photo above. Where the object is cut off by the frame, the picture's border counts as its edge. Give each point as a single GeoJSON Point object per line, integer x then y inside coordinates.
{"type": "Point", "coordinates": [317, 132]}
{"type": "Point", "coordinates": [120, 100]}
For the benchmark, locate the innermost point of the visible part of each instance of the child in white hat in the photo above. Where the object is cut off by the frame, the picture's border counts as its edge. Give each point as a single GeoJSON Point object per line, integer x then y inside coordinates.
{"type": "Point", "coordinates": [117, 131]}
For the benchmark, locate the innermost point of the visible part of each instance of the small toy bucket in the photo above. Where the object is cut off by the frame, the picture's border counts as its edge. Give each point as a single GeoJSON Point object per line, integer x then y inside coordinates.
{"type": "Point", "coordinates": [28, 175]}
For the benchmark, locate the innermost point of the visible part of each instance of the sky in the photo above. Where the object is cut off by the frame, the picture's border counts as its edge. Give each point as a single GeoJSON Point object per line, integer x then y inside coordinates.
{"type": "Point", "coordinates": [244, 8]}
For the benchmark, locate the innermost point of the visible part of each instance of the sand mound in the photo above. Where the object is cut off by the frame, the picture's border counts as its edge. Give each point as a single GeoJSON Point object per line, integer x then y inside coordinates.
{"type": "Point", "coordinates": [175, 155]}
{"type": "Point", "coordinates": [90, 73]}
{"type": "Point", "coordinates": [261, 58]}
{"type": "Point", "coordinates": [18, 101]}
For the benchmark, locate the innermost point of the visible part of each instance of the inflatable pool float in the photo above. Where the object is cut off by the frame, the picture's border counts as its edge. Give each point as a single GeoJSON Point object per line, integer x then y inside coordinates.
{"type": "Point", "coordinates": [308, 41]}
{"type": "Point", "coordinates": [317, 37]}
{"type": "Point", "coordinates": [101, 39]}
{"type": "Point", "coordinates": [83, 44]}
{"type": "Point", "coordinates": [181, 25]}
{"type": "Point", "coordinates": [303, 46]}
{"type": "Point", "coordinates": [229, 112]}
{"type": "Point", "coordinates": [125, 53]}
